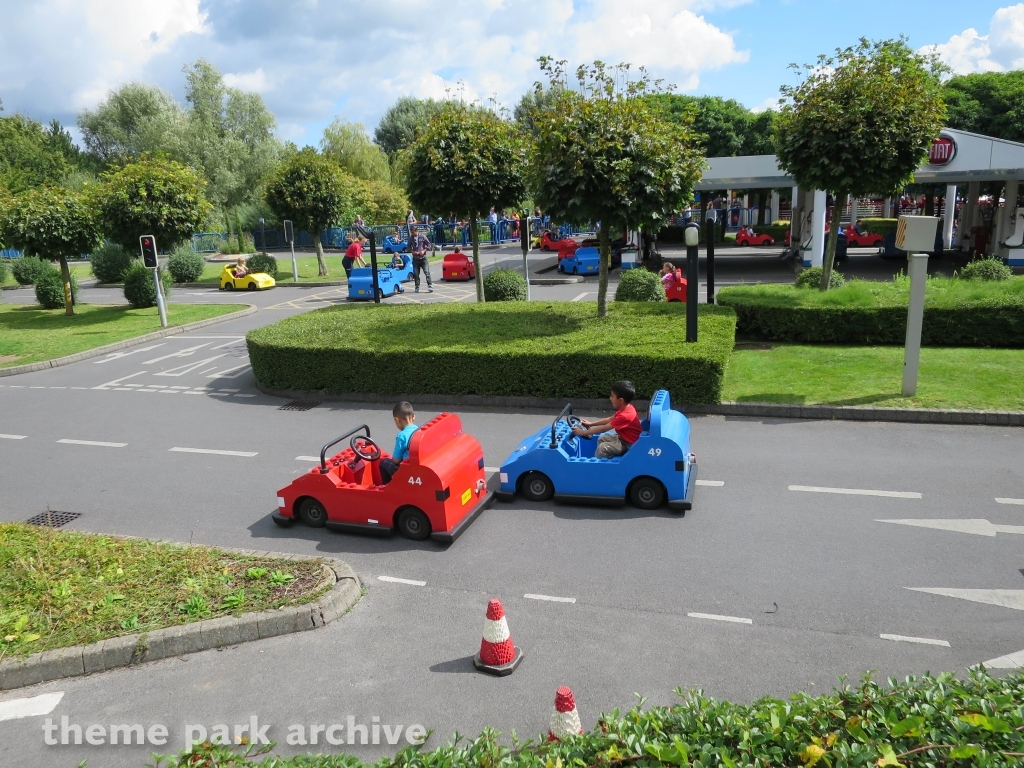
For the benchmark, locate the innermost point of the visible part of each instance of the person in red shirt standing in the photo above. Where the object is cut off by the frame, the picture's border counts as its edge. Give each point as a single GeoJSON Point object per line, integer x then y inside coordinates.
{"type": "Point", "coordinates": [353, 255]}
{"type": "Point", "coordinates": [625, 423]}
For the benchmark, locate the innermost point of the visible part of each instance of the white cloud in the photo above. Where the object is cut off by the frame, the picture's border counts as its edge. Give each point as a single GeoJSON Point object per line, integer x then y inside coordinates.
{"type": "Point", "coordinates": [1000, 50]}
{"type": "Point", "coordinates": [248, 81]}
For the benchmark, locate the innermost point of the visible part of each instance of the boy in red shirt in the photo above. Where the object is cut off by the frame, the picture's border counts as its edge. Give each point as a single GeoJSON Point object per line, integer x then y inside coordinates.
{"type": "Point", "coordinates": [625, 423]}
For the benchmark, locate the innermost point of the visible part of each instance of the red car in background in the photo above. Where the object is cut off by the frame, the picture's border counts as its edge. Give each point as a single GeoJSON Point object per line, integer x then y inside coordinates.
{"type": "Point", "coordinates": [677, 290]}
{"type": "Point", "coordinates": [458, 266]}
{"type": "Point", "coordinates": [867, 239]}
{"type": "Point", "coordinates": [556, 243]}
{"type": "Point", "coordinates": [749, 237]}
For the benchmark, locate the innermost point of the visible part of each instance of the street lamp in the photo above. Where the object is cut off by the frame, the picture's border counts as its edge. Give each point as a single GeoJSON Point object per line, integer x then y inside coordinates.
{"type": "Point", "coordinates": [711, 219]}
{"type": "Point", "coordinates": [366, 232]}
{"type": "Point", "coordinates": [691, 236]}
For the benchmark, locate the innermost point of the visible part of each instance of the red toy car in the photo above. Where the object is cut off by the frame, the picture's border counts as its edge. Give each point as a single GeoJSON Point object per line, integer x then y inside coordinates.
{"type": "Point", "coordinates": [458, 266]}
{"type": "Point", "coordinates": [548, 243]}
{"type": "Point", "coordinates": [868, 239]}
{"type": "Point", "coordinates": [749, 237]}
{"type": "Point", "coordinates": [677, 291]}
{"type": "Point", "coordinates": [436, 493]}
{"type": "Point", "coordinates": [567, 247]}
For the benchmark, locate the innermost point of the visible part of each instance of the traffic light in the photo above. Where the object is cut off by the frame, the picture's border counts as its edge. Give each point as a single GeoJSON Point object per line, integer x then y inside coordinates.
{"type": "Point", "coordinates": [148, 243]}
{"type": "Point", "coordinates": [289, 233]}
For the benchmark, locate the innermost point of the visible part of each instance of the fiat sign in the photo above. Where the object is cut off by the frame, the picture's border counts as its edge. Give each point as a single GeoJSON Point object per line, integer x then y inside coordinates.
{"type": "Point", "coordinates": [942, 151]}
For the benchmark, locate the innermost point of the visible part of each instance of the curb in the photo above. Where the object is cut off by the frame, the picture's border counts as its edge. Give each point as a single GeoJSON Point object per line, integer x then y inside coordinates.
{"type": "Point", "coordinates": [556, 280]}
{"type": "Point", "coordinates": [762, 410]}
{"type": "Point", "coordinates": [327, 284]}
{"type": "Point", "coordinates": [107, 348]}
{"type": "Point", "coordinates": [130, 650]}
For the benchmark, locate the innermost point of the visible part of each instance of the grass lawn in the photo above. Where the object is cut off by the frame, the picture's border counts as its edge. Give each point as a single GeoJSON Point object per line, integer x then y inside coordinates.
{"type": "Point", "coordinates": [63, 588]}
{"type": "Point", "coordinates": [307, 268]}
{"type": "Point", "coordinates": [29, 334]}
{"type": "Point", "coordinates": [984, 379]}
{"type": "Point", "coordinates": [79, 269]}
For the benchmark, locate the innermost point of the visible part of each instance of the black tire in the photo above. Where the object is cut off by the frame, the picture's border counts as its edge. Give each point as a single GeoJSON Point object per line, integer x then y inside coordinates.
{"type": "Point", "coordinates": [380, 293]}
{"type": "Point", "coordinates": [536, 486]}
{"type": "Point", "coordinates": [647, 493]}
{"type": "Point", "coordinates": [282, 522]}
{"type": "Point", "coordinates": [253, 286]}
{"type": "Point", "coordinates": [229, 286]}
{"type": "Point", "coordinates": [413, 524]}
{"type": "Point", "coordinates": [312, 513]}
{"type": "Point", "coordinates": [575, 270]}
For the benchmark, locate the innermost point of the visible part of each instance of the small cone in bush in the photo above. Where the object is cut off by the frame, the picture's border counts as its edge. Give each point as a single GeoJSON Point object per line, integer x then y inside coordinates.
{"type": "Point", "coordinates": [498, 654]}
{"type": "Point", "coordinates": [565, 720]}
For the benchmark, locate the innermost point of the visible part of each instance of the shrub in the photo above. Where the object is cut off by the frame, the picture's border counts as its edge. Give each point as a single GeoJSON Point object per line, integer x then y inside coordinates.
{"type": "Point", "coordinates": [776, 232]}
{"type": "Point", "coordinates": [883, 227]}
{"type": "Point", "coordinates": [986, 269]}
{"type": "Point", "coordinates": [185, 265]}
{"type": "Point", "coordinates": [504, 285]}
{"type": "Point", "coordinates": [811, 278]}
{"type": "Point", "coordinates": [3, 270]}
{"type": "Point", "coordinates": [28, 269]}
{"type": "Point", "coordinates": [230, 246]}
{"type": "Point", "coordinates": [639, 285]}
{"type": "Point", "coordinates": [50, 289]}
{"type": "Point", "coordinates": [139, 288]}
{"type": "Point", "coordinates": [109, 263]}
{"type": "Point", "coordinates": [525, 349]}
{"type": "Point", "coordinates": [263, 263]}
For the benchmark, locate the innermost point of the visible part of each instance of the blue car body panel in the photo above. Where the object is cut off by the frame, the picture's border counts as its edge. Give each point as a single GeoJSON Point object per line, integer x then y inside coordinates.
{"type": "Point", "coordinates": [403, 273]}
{"type": "Point", "coordinates": [661, 452]}
{"type": "Point", "coordinates": [393, 245]}
{"type": "Point", "coordinates": [360, 283]}
{"type": "Point", "coordinates": [586, 261]}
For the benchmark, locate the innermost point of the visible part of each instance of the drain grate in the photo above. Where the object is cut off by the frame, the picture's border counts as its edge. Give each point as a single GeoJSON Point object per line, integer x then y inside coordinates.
{"type": "Point", "coordinates": [298, 405]}
{"type": "Point", "coordinates": [53, 519]}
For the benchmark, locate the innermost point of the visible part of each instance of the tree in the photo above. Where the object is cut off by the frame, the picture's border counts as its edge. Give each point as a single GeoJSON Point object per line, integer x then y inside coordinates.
{"type": "Point", "coordinates": [31, 155]}
{"type": "Point", "coordinates": [990, 103]}
{"type": "Point", "coordinates": [860, 122]}
{"type": "Point", "coordinates": [133, 120]}
{"type": "Point", "coordinates": [311, 191]}
{"type": "Point", "coordinates": [382, 203]}
{"type": "Point", "coordinates": [158, 197]}
{"type": "Point", "coordinates": [605, 154]}
{"type": "Point", "coordinates": [404, 120]}
{"type": "Point", "coordinates": [348, 145]}
{"type": "Point", "coordinates": [533, 101]}
{"type": "Point", "coordinates": [50, 222]}
{"type": "Point", "coordinates": [466, 161]}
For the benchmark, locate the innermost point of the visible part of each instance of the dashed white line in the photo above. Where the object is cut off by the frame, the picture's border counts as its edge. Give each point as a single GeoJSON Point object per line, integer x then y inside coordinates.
{"type": "Point", "coordinates": [37, 387]}
{"type": "Point", "coordinates": [245, 395]}
{"type": "Point", "coordinates": [99, 443]}
{"type": "Point", "coordinates": [857, 492]}
{"type": "Point", "coordinates": [148, 389]}
{"type": "Point", "coordinates": [1010, 501]}
{"type": "Point", "coordinates": [492, 469]}
{"type": "Point", "coordinates": [193, 393]}
{"type": "Point", "coordinates": [79, 387]}
{"type": "Point", "coordinates": [30, 707]}
{"type": "Point", "coordinates": [224, 389]}
{"type": "Point", "coordinates": [582, 295]}
{"type": "Point", "coordinates": [179, 386]}
{"type": "Point", "coordinates": [551, 598]}
{"type": "Point", "coordinates": [58, 387]}
{"type": "Point", "coordinates": [712, 483]}
{"type": "Point", "coordinates": [123, 389]}
{"type": "Point", "coordinates": [921, 640]}
{"type": "Point", "coordinates": [307, 458]}
{"type": "Point", "coordinates": [247, 454]}
{"type": "Point", "coordinates": [716, 617]}
{"type": "Point", "coordinates": [396, 580]}
{"type": "Point", "coordinates": [13, 437]}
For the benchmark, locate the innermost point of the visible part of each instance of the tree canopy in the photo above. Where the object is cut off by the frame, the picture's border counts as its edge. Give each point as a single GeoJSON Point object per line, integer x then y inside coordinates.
{"type": "Point", "coordinates": [31, 155]}
{"type": "Point", "coordinates": [351, 149]}
{"type": "Point", "coordinates": [134, 119]}
{"type": "Point", "coordinates": [403, 122]}
{"type": "Point", "coordinates": [724, 127]}
{"type": "Point", "coordinates": [990, 103]}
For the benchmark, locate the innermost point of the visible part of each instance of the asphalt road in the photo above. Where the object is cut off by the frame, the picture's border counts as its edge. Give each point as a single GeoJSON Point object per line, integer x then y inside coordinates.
{"type": "Point", "coordinates": [800, 585]}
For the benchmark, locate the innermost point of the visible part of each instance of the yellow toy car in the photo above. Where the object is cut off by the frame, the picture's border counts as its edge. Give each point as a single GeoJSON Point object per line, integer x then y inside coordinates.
{"type": "Point", "coordinates": [254, 281]}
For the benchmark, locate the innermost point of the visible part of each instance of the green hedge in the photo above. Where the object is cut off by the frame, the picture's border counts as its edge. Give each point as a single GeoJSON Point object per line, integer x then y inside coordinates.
{"type": "Point", "coordinates": [958, 313]}
{"type": "Point", "coordinates": [50, 289]}
{"type": "Point", "coordinates": [561, 349]}
{"type": "Point", "coordinates": [504, 285]}
{"type": "Point", "coordinates": [777, 233]}
{"type": "Point", "coordinates": [917, 723]}
{"type": "Point", "coordinates": [881, 227]}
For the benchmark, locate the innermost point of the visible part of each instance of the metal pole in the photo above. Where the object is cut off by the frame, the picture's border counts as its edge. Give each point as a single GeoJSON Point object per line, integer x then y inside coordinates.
{"type": "Point", "coordinates": [373, 267]}
{"type": "Point", "coordinates": [524, 240]}
{"type": "Point", "coordinates": [263, 235]}
{"type": "Point", "coordinates": [710, 230]}
{"type": "Point", "coordinates": [159, 295]}
{"type": "Point", "coordinates": [692, 279]}
{"type": "Point", "coordinates": [918, 269]}
{"type": "Point", "coordinates": [295, 264]}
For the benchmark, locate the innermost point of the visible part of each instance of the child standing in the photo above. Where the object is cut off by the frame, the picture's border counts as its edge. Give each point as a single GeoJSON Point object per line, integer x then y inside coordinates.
{"type": "Point", "coordinates": [625, 423]}
{"type": "Point", "coordinates": [405, 422]}
{"type": "Point", "coordinates": [668, 275]}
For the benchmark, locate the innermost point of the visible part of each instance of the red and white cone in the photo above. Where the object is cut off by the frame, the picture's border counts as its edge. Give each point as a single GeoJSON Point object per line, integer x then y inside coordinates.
{"type": "Point", "coordinates": [565, 720]}
{"type": "Point", "coordinates": [498, 654]}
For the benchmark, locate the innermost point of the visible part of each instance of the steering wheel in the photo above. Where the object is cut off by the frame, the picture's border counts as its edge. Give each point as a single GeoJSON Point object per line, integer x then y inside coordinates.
{"type": "Point", "coordinates": [575, 421]}
{"type": "Point", "coordinates": [364, 448]}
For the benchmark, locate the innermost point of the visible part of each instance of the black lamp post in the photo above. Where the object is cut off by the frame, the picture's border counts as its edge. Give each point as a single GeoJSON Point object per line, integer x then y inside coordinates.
{"type": "Point", "coordinates": [710, 230]}
{"type": "Point", "coordinates": [368, 234]}
{"type": "Point", "coordinates": [691, 235]}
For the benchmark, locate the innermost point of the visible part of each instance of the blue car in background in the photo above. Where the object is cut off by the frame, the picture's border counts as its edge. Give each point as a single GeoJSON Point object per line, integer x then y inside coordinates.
{"type": "Point", "coordinates": [393, 245]}
{"type": "Point", "coordinates": [360, 283]}
{"type": "Point", "coordinates": [585, 261]}
{"type": "Point", "coordinates": [658, 468]}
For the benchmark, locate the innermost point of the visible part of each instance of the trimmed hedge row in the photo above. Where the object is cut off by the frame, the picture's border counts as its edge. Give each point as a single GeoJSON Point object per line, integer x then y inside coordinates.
{"type": "Point", "coordinates": [881, 227]}
{"type": "Point", "coordinates": [561, 349]}
{"type": "Point", "coordinates": [958, 313]}
{"type": "Point", "coordinates": [775, 231]}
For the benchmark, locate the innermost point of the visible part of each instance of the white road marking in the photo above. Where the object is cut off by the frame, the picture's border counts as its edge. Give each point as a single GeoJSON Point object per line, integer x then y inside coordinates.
{"type": "Point", "coordinates": [168, 391]}
{"type": "Point", "coordinates": [715, 617]}
{"type": "Point", "coordinates": [58, 387]}
{"type": "Point", "coordinates": [580, 297]}
{"type": "Point", "coordinates": [31, 707]}
{"type": "Point", "coordinates": [17, 386]}
{"type": "Point", "coordinates": [193, 393]}
{"type": "Point", "coordinates": [396, 580]}
{"type": "Point", "coordinates": [712, 483]}
{"type": "Point", "coordinates": [181, 370]}
{"type": "Point", "coordinates": [123, 389]}
{"type": "Point", "coordinates": [225, 344]}
{"type": "Point", "coordinates": [245, 395]}
{"type": "Point", "coordinates": [179, 386]}
{"type": "Point", "coordinates": [148, 389]}
{"type": "Point", "coordinates": [115, 382]}
{"type": "Point", "coordinates": [974, 526]}
{"type": "Point", "coordinates": [79, 387]}
{"type": "Point", "coordinates": [1009, 661]}
{"type": "Point", "coordinates": [857, 492]}
{"type": "Point", "coordinates": [118, 355]}
{"type": "Point", "coordinates": [211, 337]}
{"type": "Point", "coordinates": [247, 454]}
{"type": "Point", "coordinates": [1006, 598]}
{"type": "Point", "coordinates": [551, 599]}
{"type": "Point", "coordinates": [93, 442]}
{"type": "Point", "coordinates": [224, 389]}
{"type": "Point", "coordinates": [224, 374]}
{"type": "Point", "coordinates": [187, 352]}
{"type": "Point", "coordinates": [307, 458]}
{"type": "Point", "coordinates": [1010, 501]}
{"type": "Point", "coordinates": [922, 640]}
{"type": "Point", "coordinates": [37, 387]}
{"type": "Point", "coordinates": [133, 385]}
{"type": "Point", "coordinates": [13, 437]}
{"type": "Point", "coordinates": [492, 469]}
{"type": "Point", "coordinates": [219, 394]}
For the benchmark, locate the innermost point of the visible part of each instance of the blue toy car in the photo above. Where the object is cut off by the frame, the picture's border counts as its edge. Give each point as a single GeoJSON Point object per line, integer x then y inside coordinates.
{"type": "Point", "coordinates": [403, 273]}
{"type": "Point", "coordinates": [585, 261]}
{"type": "Point", "coordinates": [393, 245]}
{"type": "Point", "coordinates": [360, 283]}
{"type": "Point", "coordinates": [556, 463]}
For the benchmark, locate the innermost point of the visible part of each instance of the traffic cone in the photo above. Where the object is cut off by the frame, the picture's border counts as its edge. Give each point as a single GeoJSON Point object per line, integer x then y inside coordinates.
{"type": "Point", "coordinates": [565, 720]}
{"type": "Point", "coordinates": [498, 654]}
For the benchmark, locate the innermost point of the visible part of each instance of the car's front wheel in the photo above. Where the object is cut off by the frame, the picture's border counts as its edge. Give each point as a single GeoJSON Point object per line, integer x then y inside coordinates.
{"type": "Point", "coordinates": [413, 524]}
{"type": "Point", "coordinates": [537, 486]}
{"type": "Point", "coordinates": [229, 286]}
{"type": "Point", "coordinates": [253, 286]}
{"type": "Point", "coordinates": [647, 493]}
{"type": "Point", "coordinates": [312, 513]}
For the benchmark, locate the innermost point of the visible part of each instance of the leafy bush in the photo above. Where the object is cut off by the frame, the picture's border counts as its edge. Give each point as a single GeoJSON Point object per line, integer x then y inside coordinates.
{"type": "Point", "coordinates": [109, 263]}
{"type": "Point", "coordinates": [3, 270]}
{"type": "Point", "coordinates": [139, 288]}
{"type": "Point", "coordinates": [986, 269]}
{"type": "Point", "coordinates": [263, 263]}
{"type": "Point", "coordinates": [185, 265]}
{"type": "Point", "coordinates": [526, 349]}
{"type": "Point", "coordinates": [881, 227]}
{"type": "Point", "coordinates": [504, 285]}
{"type": "Point", "coordinates": [811, 278]}
{"type": "Point", "coordinates": [28, 269]}
{"type": "Point", "coordinates": [958, 313]}
{"type": "Point", "coordinates": [50, 289]}
{"type": "Point", "coordinates": [775, 231]}
{"type": "Point", "coordinates": [639, 285]}
{"type": "Point", "coordinates": [230, 246]}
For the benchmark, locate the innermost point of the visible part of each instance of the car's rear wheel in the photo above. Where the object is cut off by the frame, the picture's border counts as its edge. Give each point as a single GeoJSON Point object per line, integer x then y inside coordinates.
{"type": "Point", "coordinates": [647, 493]}
{"type": "Point", "coordinates": [413, 524]}
{"type": "Point", "coordinates": [229, 286]}
{"type": "Point", "coordinates": [537, 486]}
{"type": "Point", "coordinates": [380, 293]}
{"type": "Point", "coordinates": [312, 513]}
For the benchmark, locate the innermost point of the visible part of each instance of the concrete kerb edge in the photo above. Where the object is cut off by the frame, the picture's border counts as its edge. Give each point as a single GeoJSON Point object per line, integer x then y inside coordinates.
{"type": "Point", "coordinates": [746, 410]}
{"type": "Point", "coordinates": [119, 345]}
{"type": "Point", "coordinates": [130, 650]}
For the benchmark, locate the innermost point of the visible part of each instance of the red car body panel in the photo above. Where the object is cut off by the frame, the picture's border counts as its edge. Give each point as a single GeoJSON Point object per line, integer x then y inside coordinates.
{"type": "Point", "coordinates": [744, 239]}
{"type": "Point", "coordinates": [677, 291]}
{"type": "Point", "coordinates": [868, 239]}
{"type": "Point", "coordinates": [458, 266]}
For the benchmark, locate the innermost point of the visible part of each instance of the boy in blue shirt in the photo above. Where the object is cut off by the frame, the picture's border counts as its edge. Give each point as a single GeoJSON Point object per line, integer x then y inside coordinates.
{"type": "Point", "coordinates": [405, 422]}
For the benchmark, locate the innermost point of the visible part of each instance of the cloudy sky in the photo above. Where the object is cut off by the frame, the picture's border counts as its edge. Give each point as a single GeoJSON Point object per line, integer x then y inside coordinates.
{"type": "Point", "coordinates": [315, 59]}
